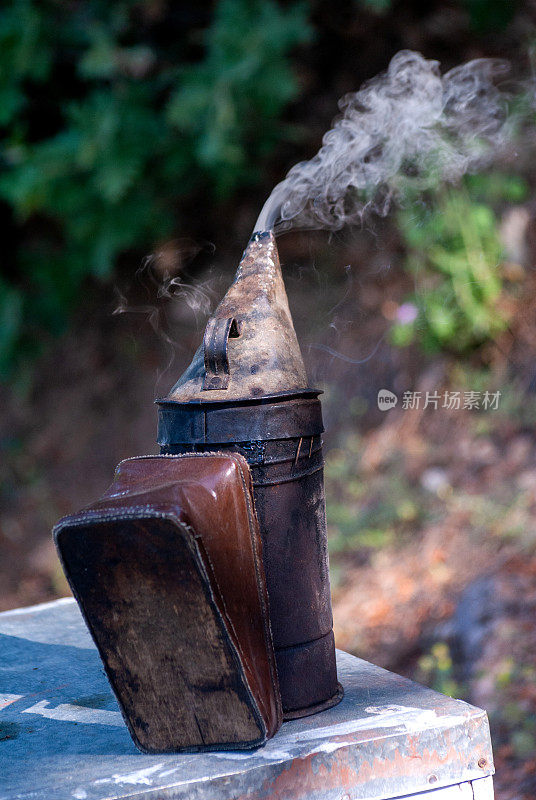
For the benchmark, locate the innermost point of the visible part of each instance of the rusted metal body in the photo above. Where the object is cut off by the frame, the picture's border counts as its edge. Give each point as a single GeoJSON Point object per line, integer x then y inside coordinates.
{"type": "Point", "coordinates": [246, 391]}
{"type": "Point", "coordinates": [287, 472]}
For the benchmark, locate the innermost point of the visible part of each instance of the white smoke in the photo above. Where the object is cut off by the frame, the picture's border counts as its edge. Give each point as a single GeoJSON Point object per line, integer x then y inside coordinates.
{"type": "Point", "coordinates": [408, 128]}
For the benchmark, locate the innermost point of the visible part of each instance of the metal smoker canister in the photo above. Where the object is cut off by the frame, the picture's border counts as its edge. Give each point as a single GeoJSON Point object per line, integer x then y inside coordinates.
{"type": "Point", "coordinates": [246, 391]}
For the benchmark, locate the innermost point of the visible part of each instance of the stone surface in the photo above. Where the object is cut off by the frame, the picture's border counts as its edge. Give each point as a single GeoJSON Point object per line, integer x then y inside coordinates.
{"type": "Point", "coordinates": [63, 737]}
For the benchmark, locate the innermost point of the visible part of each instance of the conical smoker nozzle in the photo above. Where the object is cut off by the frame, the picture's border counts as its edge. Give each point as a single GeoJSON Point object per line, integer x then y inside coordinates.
{"type": "Point", "coordinates": [250, 349]}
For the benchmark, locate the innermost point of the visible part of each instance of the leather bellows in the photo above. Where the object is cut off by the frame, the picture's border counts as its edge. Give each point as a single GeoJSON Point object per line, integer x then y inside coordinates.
{"type": "Point", "coordinates": [167, 570]}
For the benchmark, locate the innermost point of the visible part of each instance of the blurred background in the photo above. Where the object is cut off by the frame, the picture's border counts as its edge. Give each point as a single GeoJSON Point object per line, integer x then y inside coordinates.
{"type": "Point", "coordinates": [138, 143]}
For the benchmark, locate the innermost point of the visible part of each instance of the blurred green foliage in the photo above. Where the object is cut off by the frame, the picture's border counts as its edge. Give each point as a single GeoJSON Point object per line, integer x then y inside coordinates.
{"type": "Point", "coordinates": [368, 512]}
{"type": "Point", "coordinates": [510, 716]}
{"type": "Point", "coordinates": [116, 115]}
{"type": "Point", "coordinates": [436, 669]}
{"type": "Point", "coordinates": [228, 106]}
{"type": "Point", "coordinates": [454, 253]}
{"type": "Point", "coordinates": [108, 121]}
{"type": "Point", "coordinates": [489, 15]}
{"type": "Point", "coordinates": [484, 15]}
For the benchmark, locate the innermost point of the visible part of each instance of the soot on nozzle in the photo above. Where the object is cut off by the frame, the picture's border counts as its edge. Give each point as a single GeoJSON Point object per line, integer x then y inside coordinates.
{"type": "Point", "coordinates": [250, 348]}
{"type": "Point", "coordinates": [246, 391]}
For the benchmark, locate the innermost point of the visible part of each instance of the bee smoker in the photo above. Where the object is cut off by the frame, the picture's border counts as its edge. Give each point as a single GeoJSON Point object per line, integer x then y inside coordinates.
{"type": "Point", "coordinates": [246, 391]}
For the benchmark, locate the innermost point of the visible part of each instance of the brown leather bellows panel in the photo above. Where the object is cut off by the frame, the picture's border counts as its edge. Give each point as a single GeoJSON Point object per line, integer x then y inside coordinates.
{"type": "Point", "coordinates": [167, 569]}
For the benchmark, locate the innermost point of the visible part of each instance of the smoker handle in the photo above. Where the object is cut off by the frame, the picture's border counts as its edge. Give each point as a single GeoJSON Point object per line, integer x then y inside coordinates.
{"type": "Point", "coordinates": [217, 333]}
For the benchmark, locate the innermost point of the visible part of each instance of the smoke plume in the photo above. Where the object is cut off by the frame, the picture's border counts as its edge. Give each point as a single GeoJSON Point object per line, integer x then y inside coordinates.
{"type": "Point", "coordinates": [408, 128]}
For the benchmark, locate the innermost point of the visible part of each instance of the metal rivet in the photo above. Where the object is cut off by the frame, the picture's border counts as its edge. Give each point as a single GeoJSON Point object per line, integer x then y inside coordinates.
{"type": "Point", "coordinates": [432, 779]}
{"type": "Point", "coordinates": [482, 762]}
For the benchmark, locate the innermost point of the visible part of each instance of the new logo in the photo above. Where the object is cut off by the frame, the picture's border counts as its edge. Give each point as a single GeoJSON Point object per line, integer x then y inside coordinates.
{"type": "Point", "coordinates": [386, 400]}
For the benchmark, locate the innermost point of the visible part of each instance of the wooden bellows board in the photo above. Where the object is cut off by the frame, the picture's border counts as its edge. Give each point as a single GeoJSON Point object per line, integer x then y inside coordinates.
{"type": "Point", "coordinates": [167, 570]}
